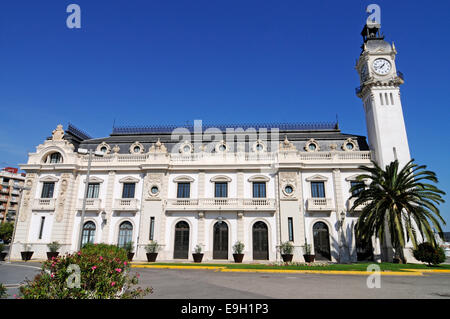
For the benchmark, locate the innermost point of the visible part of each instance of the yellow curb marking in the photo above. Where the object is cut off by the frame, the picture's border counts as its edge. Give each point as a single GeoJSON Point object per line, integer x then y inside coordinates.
{"type": "Point", "coordinates": [282, 271]}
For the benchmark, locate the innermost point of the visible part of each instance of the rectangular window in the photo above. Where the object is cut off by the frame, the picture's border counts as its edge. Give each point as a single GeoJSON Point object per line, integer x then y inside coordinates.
{"type": "Point", "coordinates": [354, 183]}
{"type": "Point", "coordinates": [184, 190]}
{"type": "Point", "coordinates": [259, 189]}
{"type": "Point", "coordinates": [93, 190]}
{"type": "Point", "coordinates": [47, 189]}
{"type": "Point", "coordinates": [42, 227]}
{"type": "Point", "coordinates": [152, 228]}
{"type": "Point", "coordinates": [221, 190]}
{"type": "Point", "coordinates": [128, 190]}
{"type": "Point", "coordinates": [290, 229]}
{"type": "Point", "coordinates": [318, 189]}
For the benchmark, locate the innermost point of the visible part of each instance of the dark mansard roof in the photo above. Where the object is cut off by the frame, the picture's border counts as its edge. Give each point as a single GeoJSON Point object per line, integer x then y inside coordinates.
{"type": "Point", "coordinates": [297, 133]}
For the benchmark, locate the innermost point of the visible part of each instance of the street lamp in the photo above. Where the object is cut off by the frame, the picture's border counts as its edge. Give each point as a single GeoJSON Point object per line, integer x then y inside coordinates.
{"type": "Point", "coordinates": [21, 189]}
{"type": "Point", "coordinates": [342, 241]}
{"type": "Point", "coordinates": [84, 151]}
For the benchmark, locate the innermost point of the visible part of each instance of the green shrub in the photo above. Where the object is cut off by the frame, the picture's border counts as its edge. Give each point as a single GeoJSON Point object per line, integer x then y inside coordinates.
{"type": "Point", "coordinates": [6, 231]}
{"type": "Point", "coordinates": [152, 247]}
{"type": "Point", "coordinates": [2, 246]}
{"type": "Point", "coordinates": [287, 248]}
{"type": "Point", "coordinates": [426, 252]}
{"type": "Point", "coordinates": [198, 249]}
{"type": "Point", "coordinates": [238, 247]}
{"type": "Point", "coordinates": [104, 273]}
{"type": "Point", "coordinates": [3, 293]}
{"type": "Point", "coordinates": [54, 246]}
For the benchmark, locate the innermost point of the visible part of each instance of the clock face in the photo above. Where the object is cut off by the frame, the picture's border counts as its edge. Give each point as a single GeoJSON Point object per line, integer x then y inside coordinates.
{"type": "Point", "coordinates": [381, 66]}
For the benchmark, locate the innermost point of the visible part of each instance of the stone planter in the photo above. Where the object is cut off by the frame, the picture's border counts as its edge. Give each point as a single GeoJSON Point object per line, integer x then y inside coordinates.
{"type": "Point", "coordinates": [50, 255]}
{"type": "Point", "coordinates": [287, 258]}
{"type": "Point", "coordinates": [197, 258]}
{"type": "Point", "coordinates": [130, 256]}
{"type": "Point", "coordinates": [26, 255]}
{"type": "Point", "coordinates": [238, 258]}
{"type": "Point", "coordinates": [151, 257]}
{"type": "Point", "coordinates": [309, 258]}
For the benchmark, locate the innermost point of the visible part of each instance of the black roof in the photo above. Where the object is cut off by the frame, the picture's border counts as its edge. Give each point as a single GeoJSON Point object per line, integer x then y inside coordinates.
{"type": "Point", "coordinates": [297, 133]}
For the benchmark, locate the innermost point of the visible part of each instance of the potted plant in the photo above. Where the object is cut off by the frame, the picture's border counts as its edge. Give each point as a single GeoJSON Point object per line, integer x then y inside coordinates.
{"type": "Point", "coordinates": [26, 253]}
{"type": "Point", "coordinates": [198, 256]}
{"type": "Point", "coordinates": [309, 258]}
{"type": "Point", "coordinates": [53, 247]}
{"type": "Point", "coordinates": [287, 249]}
{"type": "Point", "coordinates": [129, 247]}
{"type": "Point", "coordinates": [238, 248]}
{"type": "Point", "coordinates": [152, 250]}
{"type": "Point", "coordinates": [2, 254]}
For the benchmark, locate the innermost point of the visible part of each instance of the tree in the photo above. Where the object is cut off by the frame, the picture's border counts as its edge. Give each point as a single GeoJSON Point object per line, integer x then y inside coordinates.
{"type": "Point", "coordinates": [402, 203]}
{"type": "Point", "coordinates": [6, 231]}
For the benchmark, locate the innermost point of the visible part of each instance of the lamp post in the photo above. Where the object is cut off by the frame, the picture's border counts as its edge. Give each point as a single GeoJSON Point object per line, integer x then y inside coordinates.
{"type": "Point", "coordinates": [21, 189]}
{"type": "Point", "coordinates": [86, 189]}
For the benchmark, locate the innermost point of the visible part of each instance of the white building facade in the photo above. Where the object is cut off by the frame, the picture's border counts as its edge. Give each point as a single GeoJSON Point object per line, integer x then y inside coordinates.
{"type": "Point", "coordinates": [212, 186]}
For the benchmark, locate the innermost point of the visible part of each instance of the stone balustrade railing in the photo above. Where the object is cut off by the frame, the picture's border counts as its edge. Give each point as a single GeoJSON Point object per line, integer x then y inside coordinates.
{"type": "Point", "coordinates": [233, 204]}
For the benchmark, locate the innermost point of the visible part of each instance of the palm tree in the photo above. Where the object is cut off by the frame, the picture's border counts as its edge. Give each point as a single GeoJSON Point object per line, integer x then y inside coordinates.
{"type": "Point", "coordinates": [400, 202]}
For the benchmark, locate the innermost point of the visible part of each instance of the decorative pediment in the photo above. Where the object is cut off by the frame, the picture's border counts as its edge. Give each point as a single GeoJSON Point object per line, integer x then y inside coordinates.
{"type": "Point", "coordinates": [129, 179]}
{"type": "Point", "coordinates": [258, 178]}
{"type": "Point", "coordinates": [94, 179]}
{"type": "Point", "coordinates": [49, 178]}
{"type": "Point", "coordinates": [158, 147]}
{"type": "Point", "coordinates": [286, 145]}
{"type": "Point", "coordinates": [58, 133]}
{"type": "Point", "coordinates": [317, 178]}
{"type": "Point", "coordinates": [220, 178]}
{"type": "Point", "coordinates": [183, 179]}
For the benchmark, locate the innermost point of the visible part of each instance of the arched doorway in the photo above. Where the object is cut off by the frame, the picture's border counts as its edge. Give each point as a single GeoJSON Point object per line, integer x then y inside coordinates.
{"type": "Point", "coordinates": [125, 234]}
{"type": "Point", "coordinates": [181, 248]}
{"type": "Point", "coordinates": [88, 236]}
{"type": "Point", "coordinates": [220, 245]}
{"type": "Point", "coordinates": [321, 241]}
{"type": "Point", "coordinates": [260, 241]}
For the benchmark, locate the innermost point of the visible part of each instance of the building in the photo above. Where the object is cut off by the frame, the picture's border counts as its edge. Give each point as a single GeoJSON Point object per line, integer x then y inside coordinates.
{"type": "Point", "coordinates": [213, 186]}
{"type": "Point", "coordinates": [10, 183]}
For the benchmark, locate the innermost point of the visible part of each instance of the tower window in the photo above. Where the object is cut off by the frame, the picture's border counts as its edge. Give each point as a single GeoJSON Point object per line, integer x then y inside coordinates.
{"type": "Point", "coordinates": [392, 99]}
{"type": "Point", "coordinates": [381, 99]}
{"type": "Point", "coordinates": [290, 229]}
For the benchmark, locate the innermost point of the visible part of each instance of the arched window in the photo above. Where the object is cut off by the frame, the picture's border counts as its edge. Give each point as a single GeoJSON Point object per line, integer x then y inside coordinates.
{"type": "Point", "coordinates": [260, 241]}
{"type": "Point", "coordinates": [88, 233]}
{"type": "Point", "coordinates": [53, 158]}
{"type": "Point", "coordinates": [125, 233]}
{"type": "Point", "coordinates": [181, 245]}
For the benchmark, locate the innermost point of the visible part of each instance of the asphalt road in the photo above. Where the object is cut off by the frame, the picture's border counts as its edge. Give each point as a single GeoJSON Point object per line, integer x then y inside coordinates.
{"type": "Point", "coordinates": [14, 274]}
{"type": "Point", "coordinates": [208, 284]}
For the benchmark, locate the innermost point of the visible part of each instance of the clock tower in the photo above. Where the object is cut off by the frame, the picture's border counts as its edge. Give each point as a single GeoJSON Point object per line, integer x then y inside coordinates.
{"type": "Point", "coordinates": [380, 92]}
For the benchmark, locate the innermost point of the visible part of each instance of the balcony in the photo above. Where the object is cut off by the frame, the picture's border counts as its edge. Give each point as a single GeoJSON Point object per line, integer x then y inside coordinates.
{"type": "Point", "coordinates": [350, 203]}
{"type": "Point", "coordinates": [221, 204]}
{"type": "Point", "coordinates": [126, 204]}
{"type": "Point", "coordinates": [44, 204]}
{"type": "Point", "coordinates": [4, 190]}
{"type": "Point", "coordinates": [319, 204]}
{"type": "Point", "coordinates": [92, 204]}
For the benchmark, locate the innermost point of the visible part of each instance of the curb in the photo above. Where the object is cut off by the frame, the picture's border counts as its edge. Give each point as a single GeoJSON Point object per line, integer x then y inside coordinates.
{"type": "Point", "coordinates": [281, 271]}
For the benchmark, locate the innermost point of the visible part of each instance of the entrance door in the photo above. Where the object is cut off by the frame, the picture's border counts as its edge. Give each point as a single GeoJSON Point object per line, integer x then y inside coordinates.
{"type": "Point", "coordinates": [181, 249]}
{"type": "Point", "coordinates": [364, 250]}
{"type": "Point", "coordinates": [260, 241]}
{"type": "Point", "coordinates": [321, 241]}
{"type": "Point", "coordinates": [220, 246]}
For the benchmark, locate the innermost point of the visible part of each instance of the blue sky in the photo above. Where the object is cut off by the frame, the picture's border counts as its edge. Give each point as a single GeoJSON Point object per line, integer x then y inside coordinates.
{"type": "Point", "coordinates": [235, 61]}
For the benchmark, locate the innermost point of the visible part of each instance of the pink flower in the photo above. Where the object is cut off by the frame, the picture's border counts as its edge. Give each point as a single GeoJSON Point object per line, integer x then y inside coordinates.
{"type": "Point", "coordinates": [94, 267]}
{"type": "Point", "coordinates": [52, 275]}
{"type": "Point", "coordinates": [125, 263]}
{"type": "Point", "coordinates": [118, 269]}
{"type": "Point", "coordinates": [79, 253]}
{"type": "Point", "coordinates": [113, 283]}
{"type": "Point", "coordinates": [101, 258]}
